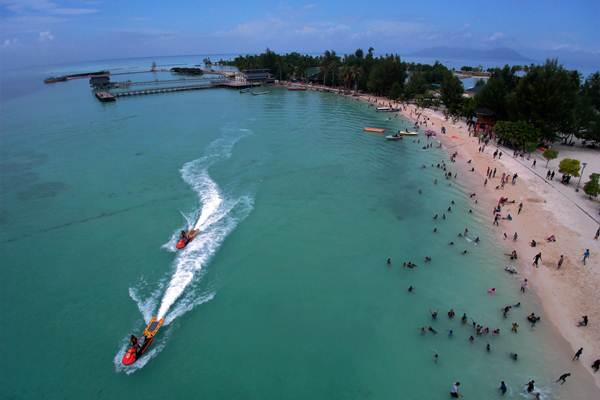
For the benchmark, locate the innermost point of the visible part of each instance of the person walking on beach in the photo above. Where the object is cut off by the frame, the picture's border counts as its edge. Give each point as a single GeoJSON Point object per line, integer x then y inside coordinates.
{"type": "Point", "coordinates": [597, 235]}
{"type": "Point", "coordinates": [538, 257]}
{"type": "Point", "coordinates": [454, 391]}
{"type": "Point", "coordinates": [502, 388]}
{"type": "Point", "coordinates": [494, 173]}
{"type": "Point", "coordinates": [560, 261]}
{"type": "Point", "coordinates": [563, 378]}
{"type": "Point", "coordinates": [586, 255]}
{"type": "Point", "coordinates": [520, 208]}
{"type": "Point", "coordinates": [578, 354]}
{"type": "Point", "coordinates": [534, 162]}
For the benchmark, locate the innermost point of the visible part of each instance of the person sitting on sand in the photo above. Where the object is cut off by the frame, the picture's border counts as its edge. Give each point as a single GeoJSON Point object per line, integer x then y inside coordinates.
{"type": "Point", "coordinates": [596, 365]}
{"type": "Point", "coordinates": [551, 238]}
{"type": "Point", "coordinates": [584, 321]}
{"type": "Point", "coordinates": [533, 243]}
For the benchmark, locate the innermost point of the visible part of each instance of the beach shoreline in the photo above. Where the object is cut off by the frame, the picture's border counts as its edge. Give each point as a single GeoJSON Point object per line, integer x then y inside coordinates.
{"type": "Point", "coordinates": [544, 213]}
{"type": "Point", "coordinates": [564, 294]}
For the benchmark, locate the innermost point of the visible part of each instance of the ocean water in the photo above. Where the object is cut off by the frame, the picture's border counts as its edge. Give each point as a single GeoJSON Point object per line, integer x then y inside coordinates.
{"type": "Point", "coordinates": [286, 292]}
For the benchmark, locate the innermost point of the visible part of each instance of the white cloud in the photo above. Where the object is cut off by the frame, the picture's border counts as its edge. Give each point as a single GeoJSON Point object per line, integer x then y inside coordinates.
{"type": "Point", "coordinates": [45, 36]}
{"type": "Point", "coordinates": [496, 36]}
{"type": "Point", "coordinates": [43, 7]}
{"type": "Point", "coordinates": [9, 42]}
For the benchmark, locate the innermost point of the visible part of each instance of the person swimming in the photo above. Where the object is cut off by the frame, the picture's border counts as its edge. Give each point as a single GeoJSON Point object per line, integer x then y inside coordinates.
{"type": "Point", "coordinates": [514, 356]}
{"type": "Point", "coordinates": [451, 313]}
{"type": "Point", "coordinates": [463, 319]}
{"type": "Point", "coordinates": [430, 329]}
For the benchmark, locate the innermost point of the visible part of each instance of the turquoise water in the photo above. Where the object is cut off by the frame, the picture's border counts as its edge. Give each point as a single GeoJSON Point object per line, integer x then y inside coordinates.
{"type": "Point", "coordinates": [286, 294]}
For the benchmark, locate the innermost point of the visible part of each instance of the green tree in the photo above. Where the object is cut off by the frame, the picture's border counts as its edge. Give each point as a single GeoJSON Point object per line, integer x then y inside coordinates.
{"type": "Point", "coordinates": [546, 98]}
{"type": "Point", "coordinates": [519, 134]}
{"type": "Point", "coordinates": [569, 167]}
{"type": "Point", "coordinates": [592, 187]}
{"type": "Point", "coordinates": [451, 93]}
{"type": "Point", "coordinates": [416, 85]}
{"type": "Point", "coordinates": [396, 91]}
{"type": "Point", "coordinates": [549, 154]}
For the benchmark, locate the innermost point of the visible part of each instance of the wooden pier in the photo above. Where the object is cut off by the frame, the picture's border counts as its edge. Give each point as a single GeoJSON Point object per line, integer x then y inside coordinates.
{"type": "Point", "coordinates": [217, 83]}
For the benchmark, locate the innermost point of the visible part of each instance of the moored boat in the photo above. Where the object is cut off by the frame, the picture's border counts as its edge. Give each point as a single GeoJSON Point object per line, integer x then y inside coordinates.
{"type": "Point", "coordinates": [374, 130]}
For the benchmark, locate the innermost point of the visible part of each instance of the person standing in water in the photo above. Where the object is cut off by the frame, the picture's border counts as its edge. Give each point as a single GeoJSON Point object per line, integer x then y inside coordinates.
{"type": "Point", "coordinates": [454, 391]}
{"type": "Point", "coordinates": [502, 388]}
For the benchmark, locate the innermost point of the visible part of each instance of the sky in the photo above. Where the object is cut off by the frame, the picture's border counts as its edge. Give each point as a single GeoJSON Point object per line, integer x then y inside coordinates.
{"type": "Point", "coordinates": [42, 32]}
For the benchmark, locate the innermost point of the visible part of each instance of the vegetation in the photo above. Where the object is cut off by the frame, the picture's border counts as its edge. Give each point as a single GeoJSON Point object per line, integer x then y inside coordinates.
{"type": "Point", "coordinates": [549, 155]}
{"type": "Point", "coordinates": [519, 134]}
{"type": "Point", "coordinates": [545, 100]}
{"type": "Point", "coordinates": [592, 187]}
{"type": "Point", "coordinates": [569, 167]}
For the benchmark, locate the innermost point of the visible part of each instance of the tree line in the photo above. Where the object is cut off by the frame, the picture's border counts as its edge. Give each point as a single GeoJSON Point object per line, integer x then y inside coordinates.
{"type": "Point", "coordinates": [538, 103]}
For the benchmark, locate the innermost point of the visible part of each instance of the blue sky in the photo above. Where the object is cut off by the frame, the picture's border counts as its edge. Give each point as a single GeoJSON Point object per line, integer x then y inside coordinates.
{"type": "Point", "coordinates": [38, 32]}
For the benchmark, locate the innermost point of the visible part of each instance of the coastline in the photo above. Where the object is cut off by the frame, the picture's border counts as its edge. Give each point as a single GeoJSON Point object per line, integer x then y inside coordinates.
{"type": "Point", "coordinates": [564, 294]}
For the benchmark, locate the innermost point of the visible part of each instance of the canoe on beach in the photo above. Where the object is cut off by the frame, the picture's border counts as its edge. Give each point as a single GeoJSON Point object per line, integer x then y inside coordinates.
{"type": "Point", "coordinates": [374, 130]}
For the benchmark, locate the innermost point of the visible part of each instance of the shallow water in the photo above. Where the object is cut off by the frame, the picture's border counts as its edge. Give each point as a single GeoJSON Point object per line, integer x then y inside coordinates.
{"type": "Point", "coordinates": [285, 295]}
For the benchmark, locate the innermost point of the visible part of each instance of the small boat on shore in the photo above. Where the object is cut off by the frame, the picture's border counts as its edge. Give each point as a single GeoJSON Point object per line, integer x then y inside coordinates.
{"type": "Point", "coordinates": [260, 93]}
{"type": "Point", "coordinates": [387, 109]}
{"type": "Point", "coordinates": [408, 133]}
{"type": "Point", "coordinates": [374, 130]}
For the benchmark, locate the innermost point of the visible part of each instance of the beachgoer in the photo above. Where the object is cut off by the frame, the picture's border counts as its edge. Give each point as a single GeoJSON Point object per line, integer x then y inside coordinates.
{"type": "Point", "coordinates": [463, 319]}
{"type": "Point", "coordinates": [410, 289]}
{"type": "Point", "coordinates": [515, 237]}
{"type": "Point", "coordinates": [450, 333]}
{"type": "Point", "coordinates": [578, 354]}
{"type": "Point", "coordinates": [586, 255]}
{"type": "Point", "coordinates": [430, 329]}
{"type": "Point", "coordinates": [530, 386]}
{"type": "Point", "coordinates": [537, 258]}
{"type": "Point", "coordinates": [488, 348]}
{"type": "Point", "coordinates": [560, 261]}
{"type": "Point", "coordinates": [597, 235]}
{"type": "Point", "coordinates": [524, 285]}
{"type": "Point", "coordinates": [596, 365]}
{"type": "Point", "coordinates": [563, 378]}
{"type": "Point", "coordinates": [515, 327]}
{"type": "Point", "coordinates": [584, 321]}
{"type": "Point", "coordinates": [454, 391]}
{"type": "Point", "coordinates": [502, 388]}
{"type": "Point", "coordinates": [471, 338]}
{"type": "Point", "coordinates": [434, 314]}
{"type": "Point", "coordinates": [389, 261]}
{"type": "Point", "coordinates": [514, 356]}
{"type": "Point", "coordinates": [435, 358]}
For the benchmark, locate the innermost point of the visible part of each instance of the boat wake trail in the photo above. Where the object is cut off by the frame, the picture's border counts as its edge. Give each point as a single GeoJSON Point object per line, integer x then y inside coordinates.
{"type": "Point", "coordinates": [218, 216]}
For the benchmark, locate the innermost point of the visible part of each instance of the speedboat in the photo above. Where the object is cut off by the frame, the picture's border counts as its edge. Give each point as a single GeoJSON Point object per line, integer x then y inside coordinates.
{"type": "Point", "coordinates": [393, 137]}
{"type": "Point", "coordinates": [136, 349]}
{"type": "Point", "coordinates": [184, 240]}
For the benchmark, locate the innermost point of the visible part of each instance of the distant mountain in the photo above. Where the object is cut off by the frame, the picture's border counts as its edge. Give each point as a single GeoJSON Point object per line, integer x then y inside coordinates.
{"type": "Point", "coordinates": [458, 53]}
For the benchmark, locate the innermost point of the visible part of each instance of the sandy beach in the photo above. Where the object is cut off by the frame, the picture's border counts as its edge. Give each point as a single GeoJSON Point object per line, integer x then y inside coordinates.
{"type": "Point", "coordinates": [548, 209]}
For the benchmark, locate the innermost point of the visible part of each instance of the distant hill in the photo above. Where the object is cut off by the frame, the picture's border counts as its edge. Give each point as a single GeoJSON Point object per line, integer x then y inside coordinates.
{"type": "Point", "coordinates": [499, 53]}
